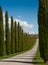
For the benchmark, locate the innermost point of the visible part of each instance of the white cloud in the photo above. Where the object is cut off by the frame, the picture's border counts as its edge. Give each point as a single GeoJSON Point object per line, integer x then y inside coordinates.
{"type": "Point", "coordinates": [8, 20]}
{"type": "Point", "coordinates": [25, 25]}
{"type": "Point", "coordinates": [4, 18]}
{"type": "Point", "coordinates": [20, 17]}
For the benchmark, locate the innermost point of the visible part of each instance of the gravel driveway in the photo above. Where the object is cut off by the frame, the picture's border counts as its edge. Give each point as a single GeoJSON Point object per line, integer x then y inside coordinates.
{"type": "Point", "coordinates": [21, 59]}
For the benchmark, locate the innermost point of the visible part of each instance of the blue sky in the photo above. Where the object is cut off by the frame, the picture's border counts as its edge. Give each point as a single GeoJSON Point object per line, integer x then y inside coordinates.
{"type": "Point", "coordinates": [24, 11]}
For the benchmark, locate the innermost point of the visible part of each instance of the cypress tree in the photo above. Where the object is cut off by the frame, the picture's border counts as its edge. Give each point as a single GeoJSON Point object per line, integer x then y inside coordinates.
{"type": "Point", "coordinates": [22, 41]}
{"type": "Point", "coordinates": [8, 47]}
{"type": "Point", "coordinates": [1, 33]}
{"type": "Point", "coordinates": [12, 37]}
{"type": "Point", "coordinates": [16, 37]}
{"type": "Point", "coordinates": [26, 41]}
{"type": "Point", "coordinates": [19, 38]}
{"type": "Point", "coordinates": [43, 26]}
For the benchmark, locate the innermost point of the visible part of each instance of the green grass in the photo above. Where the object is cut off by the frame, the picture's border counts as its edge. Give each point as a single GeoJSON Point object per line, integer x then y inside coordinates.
{"type": "Point", "coordinates": [11, 55]}
{"type": "Point", "coordinates": [38, 60]}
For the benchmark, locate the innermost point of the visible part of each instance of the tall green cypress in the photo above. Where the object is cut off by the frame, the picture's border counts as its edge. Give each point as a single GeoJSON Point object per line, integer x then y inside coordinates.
{"type": "Point", "coordinates": [8, 47]}
{"type": "Point", "coordinates": [19, 37]}
{"type": "Point", "coordinates": [16, 37]}
{"type": "Point", "coordinates": [1, 33]}
{"type": "Point", "coordinates": [22, 41]}
{"type": "Point", "coordinates": [43, 28]}
{"type": "Point", "coordinates": [25, 40]}
{"type": "Point", "coordinates": [12, 37]}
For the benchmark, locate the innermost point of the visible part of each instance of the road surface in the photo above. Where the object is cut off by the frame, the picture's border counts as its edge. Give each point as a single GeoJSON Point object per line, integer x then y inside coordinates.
{"type": "Point", "coordinates": [21, 59]}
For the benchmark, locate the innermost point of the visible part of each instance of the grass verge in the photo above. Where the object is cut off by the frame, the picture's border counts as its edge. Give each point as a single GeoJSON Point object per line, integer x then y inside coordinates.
{"type": "Point", "coordinates": [38, 60]}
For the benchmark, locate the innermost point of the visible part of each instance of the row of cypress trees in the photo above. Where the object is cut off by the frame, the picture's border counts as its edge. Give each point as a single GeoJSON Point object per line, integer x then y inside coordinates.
{"type": "Point", "coordinates": [15, 38]}
{"type": "Point", "coordinates": [1, 33]}
{"type": "Point", "coordinates": [43, 28]}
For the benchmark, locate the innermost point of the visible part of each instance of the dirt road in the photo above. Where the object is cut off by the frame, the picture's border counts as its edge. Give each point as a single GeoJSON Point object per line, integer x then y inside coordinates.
{"type": "Point", "coordinates": [21, 59]}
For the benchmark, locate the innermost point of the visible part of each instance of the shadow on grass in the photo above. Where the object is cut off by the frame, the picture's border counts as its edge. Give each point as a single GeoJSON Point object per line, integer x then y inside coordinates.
{"type": "Point", "coordinates": [22, 62]}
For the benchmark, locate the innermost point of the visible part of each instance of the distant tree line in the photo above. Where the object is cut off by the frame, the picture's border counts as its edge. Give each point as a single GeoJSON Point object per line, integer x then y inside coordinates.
{"type": "Point", "coordinates": [16, 40]}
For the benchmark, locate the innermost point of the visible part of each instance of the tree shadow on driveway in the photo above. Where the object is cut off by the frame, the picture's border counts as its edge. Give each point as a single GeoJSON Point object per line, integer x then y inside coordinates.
{"type": "Point", "coordinates": [22, 62]}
